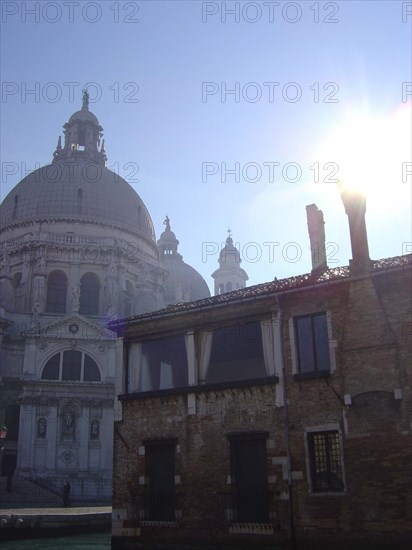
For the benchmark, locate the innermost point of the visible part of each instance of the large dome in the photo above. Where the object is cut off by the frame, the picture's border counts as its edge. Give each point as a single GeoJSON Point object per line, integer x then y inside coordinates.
{"type": "Point", "coordinates": [77, 185]}
{"type": "Point", "coordinates": [78, 190]}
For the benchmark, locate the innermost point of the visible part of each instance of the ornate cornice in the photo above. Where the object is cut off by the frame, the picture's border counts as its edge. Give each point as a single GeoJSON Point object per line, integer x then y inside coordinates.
{"type": "Point", "coordinates": [71, 327]}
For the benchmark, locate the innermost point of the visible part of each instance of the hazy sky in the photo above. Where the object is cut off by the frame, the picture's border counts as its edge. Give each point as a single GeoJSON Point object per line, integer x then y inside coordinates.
{"type": "Point", "coordinates": [227, 114]}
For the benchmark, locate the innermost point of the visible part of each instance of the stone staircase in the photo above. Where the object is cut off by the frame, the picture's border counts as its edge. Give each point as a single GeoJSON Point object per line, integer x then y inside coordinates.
{"type": "Point", "coordinates": [27, 494]}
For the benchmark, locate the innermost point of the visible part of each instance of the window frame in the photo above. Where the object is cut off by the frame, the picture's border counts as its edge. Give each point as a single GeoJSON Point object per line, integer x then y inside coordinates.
{"type": "Point", "coordinates": [54, 306]}
{"type": "Point", "coordinates": [293, 335]}
{"type": "Point", "coordinates": [60, 368]}
{"type": "Point", "coordinates": [85, 291]}
{"type": "Point", "coordinates": [152, 511]}
{"type": "Point", "coordinates": [226, 341]}
{"type": "Point", "coordinates": [311, 458]}
{"type": "Point", "coordinates": [237, 443]}
{"type": "Point", "coordinates": [152, 357]}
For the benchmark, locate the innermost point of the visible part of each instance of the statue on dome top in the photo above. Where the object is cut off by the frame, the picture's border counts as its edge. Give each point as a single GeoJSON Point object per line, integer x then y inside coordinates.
{"type": "Point", "coordinates": [167, 223]}
{"type": "Point", "coordinates": [85, 99]}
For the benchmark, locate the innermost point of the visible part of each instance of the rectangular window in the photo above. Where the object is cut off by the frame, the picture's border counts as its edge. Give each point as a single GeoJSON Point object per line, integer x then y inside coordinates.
{"type": "Point", "coordinates": [160, 475]}
{"type": "Point", "coordinates": [249, 476]}
{"type": "Point", "coordinates": [312, 343]}
{"type": "Point", "coordinates": [325, 461]}
{"type": "Point", "coordinates": [236, 353]}
{"type": "Point", "coordinates": [164, 364]}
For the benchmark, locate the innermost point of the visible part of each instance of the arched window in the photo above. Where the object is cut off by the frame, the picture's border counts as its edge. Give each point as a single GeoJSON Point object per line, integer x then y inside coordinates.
{"type": "Point", "coordinates": [91, 370]}
{"type": "Point", "coordinates": [89, 294]}
{"type": "Point", "coordinates": [228, 287]}
{"type": "Point", "coordinates": [221, 288]}
{"type": "Point", "coordinates": [51, 370]}
{"type": "Point", "coordinates": [71, 365]}
{"type": "Point", "coordinates": [56, 292]}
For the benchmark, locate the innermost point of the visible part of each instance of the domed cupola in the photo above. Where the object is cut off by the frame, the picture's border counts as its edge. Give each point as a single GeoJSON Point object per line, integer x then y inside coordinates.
{"type": "Point", "coordinates": [229, 255]}
{"type": "Point", "coordinates": [182, 282]}
{"type": "Point", "coordinates": [78, 187]}
{"type": "Point", "coordinates": [167, 242]}
{"type": "Point", "coordinates": [230, 276]}
{"type": "Point", "coordinates": [82, 137]}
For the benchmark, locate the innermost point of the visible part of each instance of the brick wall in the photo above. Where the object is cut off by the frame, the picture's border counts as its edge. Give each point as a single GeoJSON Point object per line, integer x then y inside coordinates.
{"type": "Point", "coordinates": [367, 399]}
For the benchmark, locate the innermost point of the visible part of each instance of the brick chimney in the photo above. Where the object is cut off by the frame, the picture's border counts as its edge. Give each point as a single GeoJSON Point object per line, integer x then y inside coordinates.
{"type": "Point", "coordinates": [354, 202]}
{"type": "Point", "coordinates": [316, 227]}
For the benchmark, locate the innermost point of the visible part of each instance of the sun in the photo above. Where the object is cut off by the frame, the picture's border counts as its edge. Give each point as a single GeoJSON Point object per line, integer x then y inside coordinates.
{"type": "Point", "coordinates": [373, 155]}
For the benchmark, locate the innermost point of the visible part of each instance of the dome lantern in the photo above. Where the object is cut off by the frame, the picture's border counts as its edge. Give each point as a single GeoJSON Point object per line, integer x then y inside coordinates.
{"type": "Point", "coordinates": [168, 242]}
{"type": "Point", "coordinates": [182, 283]}
{"type": "Point", "coordinates": [82, 137]}
{"type": "Point", "coordinates": [229, 276]}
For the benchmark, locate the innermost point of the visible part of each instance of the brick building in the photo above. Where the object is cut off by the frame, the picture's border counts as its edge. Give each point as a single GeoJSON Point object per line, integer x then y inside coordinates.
{"type": "Point", "coordinates": [278, 413]}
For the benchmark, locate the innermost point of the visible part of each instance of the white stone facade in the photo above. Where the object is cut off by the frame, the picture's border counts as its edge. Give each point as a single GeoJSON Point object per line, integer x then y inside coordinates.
{"type": "Point", "coordinates": [78, 249]}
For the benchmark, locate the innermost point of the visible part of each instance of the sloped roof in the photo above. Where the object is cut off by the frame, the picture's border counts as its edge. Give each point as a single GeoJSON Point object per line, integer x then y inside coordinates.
{"type": "Point", "coordinates": [272, 287]}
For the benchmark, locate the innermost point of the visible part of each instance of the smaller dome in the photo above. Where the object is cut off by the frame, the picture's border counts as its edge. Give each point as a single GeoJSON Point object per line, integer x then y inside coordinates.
{"type": "Point", "coordinates": [84, 115]}
{"type": "Point", "coordinates": [183, 283]}
{"type": "Point", "coordinates": [229, 254]}
{"type": "Point", "coordinates": [168, 242]}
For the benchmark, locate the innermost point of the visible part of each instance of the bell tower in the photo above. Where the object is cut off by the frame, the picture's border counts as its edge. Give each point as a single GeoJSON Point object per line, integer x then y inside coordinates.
{"type": "Point", "coordinates": [229, 276]}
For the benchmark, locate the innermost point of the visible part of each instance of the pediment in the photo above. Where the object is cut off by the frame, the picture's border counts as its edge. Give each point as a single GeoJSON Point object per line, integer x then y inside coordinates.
{"type": "Point", "coordinates": [73, 326]}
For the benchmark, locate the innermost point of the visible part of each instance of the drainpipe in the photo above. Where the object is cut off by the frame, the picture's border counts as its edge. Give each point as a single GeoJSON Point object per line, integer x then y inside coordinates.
{"type": "Point", "coordinates": [292, 527]}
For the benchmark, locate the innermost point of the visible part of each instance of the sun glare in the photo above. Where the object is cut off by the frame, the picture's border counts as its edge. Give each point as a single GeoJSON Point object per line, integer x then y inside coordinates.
{"type": "Point", "coordinates": [373, 155]}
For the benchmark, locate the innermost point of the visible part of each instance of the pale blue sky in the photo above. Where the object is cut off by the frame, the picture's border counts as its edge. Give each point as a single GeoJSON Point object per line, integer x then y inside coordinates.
{"type": "Point", "coordinates": [362, 61]}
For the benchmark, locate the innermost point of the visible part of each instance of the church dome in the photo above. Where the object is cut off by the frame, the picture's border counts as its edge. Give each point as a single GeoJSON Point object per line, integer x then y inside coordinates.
{"type": "Point", "coordinates": [84, 115]}
{"type": "Point", "coordinates": [182, 282]}
{"type": "Point", "coordinates": [77, 190]}
{"type": "Point", "coordinates": [77, 185]}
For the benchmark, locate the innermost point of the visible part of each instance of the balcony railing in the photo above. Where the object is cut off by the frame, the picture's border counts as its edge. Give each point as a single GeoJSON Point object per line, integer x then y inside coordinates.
{"type": "Point", "coordinates": [252, 509]}
{"type": "Point", "coordinates": [163, 509]}
{"type": "Point", "coordinates": [256, 513]}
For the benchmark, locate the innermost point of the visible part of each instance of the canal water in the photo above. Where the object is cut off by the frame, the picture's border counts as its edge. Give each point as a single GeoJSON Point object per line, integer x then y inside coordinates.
{"type": "Point", "coordinates": [94, 541]}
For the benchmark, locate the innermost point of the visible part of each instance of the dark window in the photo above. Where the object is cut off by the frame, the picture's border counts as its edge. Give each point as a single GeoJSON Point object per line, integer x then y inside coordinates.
{"type": "Point", "coordinates": [160, 472]}
{"type": "Point", "coordinates": [89, 295]}
{"type": "Point", "coordinates": [56, 292]}
{"type": "Point", "coordinates": [249, 477]}
{"type": "Point", "coordinates": [237, 353]}
{"type": "Point", "coordinates": [312, 340]}
{"type": "Point", "coordinates": [164, 364]}
{"type": "Point", "coordinates": [91, 370]}
{"type": "Point", "coordinates": [51, 369]}
{"type": "Point", "coordinates": [15, 281]}
{"type": "Point", "coordinates": [12, 421]}
{"type": "Point", "coordinates": [71, 367]}
{"type": "Point", "coordinates": [325, 461]}
{"type": "Point", "coordinates": [72, 363]}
